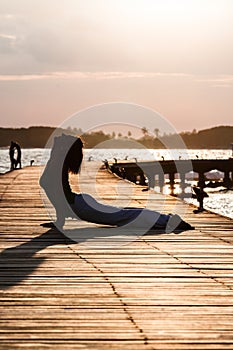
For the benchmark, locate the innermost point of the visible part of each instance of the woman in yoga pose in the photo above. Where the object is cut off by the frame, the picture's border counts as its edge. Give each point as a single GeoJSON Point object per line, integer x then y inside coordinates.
{"type": "Point", "coordinates": [66, 156]}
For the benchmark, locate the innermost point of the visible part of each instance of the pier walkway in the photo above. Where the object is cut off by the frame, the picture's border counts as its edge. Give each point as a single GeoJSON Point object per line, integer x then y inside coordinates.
{"type": "Point", "coordinates": [155, 291]}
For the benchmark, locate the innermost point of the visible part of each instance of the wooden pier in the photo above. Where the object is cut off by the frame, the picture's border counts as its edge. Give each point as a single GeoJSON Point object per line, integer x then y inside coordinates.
{"type": "Point", "coordinates": [138, 171]}
{"type": "Point", "coordinates": [157, 291]}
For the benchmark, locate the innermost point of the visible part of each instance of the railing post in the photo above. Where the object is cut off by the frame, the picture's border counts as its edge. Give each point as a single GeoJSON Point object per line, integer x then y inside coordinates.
{"type": "Point", "coordinates": [227, 181]}
{"type": "Point", "coordinates": [172, 182]}
{"type": "Point", "coordinates": [161, 182]}
{"type": "Point", "coordinates": [182, 182]}
{"type": "Point", "coordinates": [151, 179]}
{"type": "Point", "coordinates": [201, 180]}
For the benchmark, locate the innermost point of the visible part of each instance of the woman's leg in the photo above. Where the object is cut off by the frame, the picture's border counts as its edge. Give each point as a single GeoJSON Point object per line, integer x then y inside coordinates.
{"type": "Point", "coordinates": [88, 209]}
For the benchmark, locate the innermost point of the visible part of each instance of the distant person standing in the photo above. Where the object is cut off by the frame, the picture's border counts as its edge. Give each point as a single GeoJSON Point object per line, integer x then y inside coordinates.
{"type": "Point", "coordinates": [19, 153]}
{"type": "Point", "coordinates": [15, 161]}
{"type": "Point", "coordinates": [12, 154]}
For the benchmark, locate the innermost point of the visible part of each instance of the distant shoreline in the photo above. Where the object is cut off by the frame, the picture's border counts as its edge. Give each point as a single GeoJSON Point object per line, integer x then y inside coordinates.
{"type": "Point", "coordinates": [220, 137]}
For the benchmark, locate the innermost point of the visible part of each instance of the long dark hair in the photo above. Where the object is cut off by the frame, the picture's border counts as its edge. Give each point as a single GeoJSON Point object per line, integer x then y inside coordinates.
{"type": "Point", "coordinates": [74, 157]}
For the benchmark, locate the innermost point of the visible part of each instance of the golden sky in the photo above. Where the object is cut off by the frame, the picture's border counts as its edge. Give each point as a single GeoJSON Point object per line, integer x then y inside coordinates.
{"type": "Point", "coordinates": [60, 56]}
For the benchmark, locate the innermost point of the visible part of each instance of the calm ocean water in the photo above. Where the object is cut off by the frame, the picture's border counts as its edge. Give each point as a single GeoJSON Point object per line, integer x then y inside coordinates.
{"type": "Point", "coordinates": [219, 201]}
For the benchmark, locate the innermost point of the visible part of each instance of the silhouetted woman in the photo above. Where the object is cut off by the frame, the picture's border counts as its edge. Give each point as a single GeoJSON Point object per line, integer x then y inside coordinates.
{"type": "Point", "coordinates": [66, 156]}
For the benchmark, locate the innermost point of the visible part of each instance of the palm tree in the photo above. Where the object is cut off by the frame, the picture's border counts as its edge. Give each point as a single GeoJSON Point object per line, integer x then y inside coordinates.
{"type": "Point", "coordinates": [144, 131]}
{"type": "Point", "coordinates": [156, 132]}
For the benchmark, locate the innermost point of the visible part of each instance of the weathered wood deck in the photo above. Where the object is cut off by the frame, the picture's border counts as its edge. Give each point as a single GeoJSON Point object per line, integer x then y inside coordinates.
{"type": "Point", "coordinates": [170, 291]}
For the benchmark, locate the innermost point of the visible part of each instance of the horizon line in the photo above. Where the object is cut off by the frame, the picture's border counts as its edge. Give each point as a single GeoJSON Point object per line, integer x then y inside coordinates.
{"type": "Point", "coordinates": [57, 127]}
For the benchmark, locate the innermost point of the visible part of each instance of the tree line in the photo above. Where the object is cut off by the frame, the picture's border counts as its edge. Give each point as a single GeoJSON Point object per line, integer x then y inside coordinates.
{"type": "Point", "coordinates": [219, 137]}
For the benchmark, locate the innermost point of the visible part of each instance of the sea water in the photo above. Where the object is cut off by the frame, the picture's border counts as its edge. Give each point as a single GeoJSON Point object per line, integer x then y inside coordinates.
{"type": "Point", "coordinates": [219, 200]}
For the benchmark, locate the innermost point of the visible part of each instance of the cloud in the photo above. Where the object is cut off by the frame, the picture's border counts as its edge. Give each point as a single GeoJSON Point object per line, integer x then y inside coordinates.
{"type": "Point", "coordinates": [89, 75]}
{"type": "Point", "coordinates": [220, 81]}
{"type": "Point", "coordinates": [7, 43]}
{"type": "Point", "coordinates": [8, 36]}
{"type": "Point", "coordinates": [114, 36]}
{"type": "Point", "coordinates": [222, 86]}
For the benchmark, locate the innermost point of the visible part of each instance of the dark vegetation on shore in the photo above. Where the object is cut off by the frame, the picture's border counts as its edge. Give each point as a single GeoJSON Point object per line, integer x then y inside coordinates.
{"type": "Point", "coordinates": [219, 137]}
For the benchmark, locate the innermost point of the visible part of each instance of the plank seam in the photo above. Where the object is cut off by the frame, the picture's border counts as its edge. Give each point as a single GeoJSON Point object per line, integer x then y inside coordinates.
{"type": "Point", "coordinates": [116, 293]}
{"type": "Point", "coordinates": [7, 186]}
{"type": "Point", "coordinates": [215, 279]}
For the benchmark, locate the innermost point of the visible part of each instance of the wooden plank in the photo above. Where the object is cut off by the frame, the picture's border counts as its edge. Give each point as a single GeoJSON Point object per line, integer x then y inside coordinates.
{"type": "Point", "coordinates": [155, 291]}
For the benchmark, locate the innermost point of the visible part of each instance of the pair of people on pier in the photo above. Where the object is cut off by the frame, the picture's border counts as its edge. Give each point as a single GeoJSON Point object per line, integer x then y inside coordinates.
{"type": "Point", "coordinates": [15, 147]}
{"type": "Point", "coordinates": [66, 157]}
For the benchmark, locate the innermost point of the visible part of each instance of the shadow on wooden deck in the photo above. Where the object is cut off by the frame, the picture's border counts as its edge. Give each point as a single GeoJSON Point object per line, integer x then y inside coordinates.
{"type": "Point", "coordinates": [20, 261]}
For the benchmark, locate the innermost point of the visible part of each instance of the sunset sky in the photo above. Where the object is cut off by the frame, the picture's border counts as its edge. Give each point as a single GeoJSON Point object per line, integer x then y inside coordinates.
{"type": "Point", "coordinates": [60, 56]}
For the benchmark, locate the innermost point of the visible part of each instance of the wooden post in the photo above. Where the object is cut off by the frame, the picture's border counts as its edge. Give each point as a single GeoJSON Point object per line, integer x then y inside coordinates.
{"type": "Point", "coordinates": [151, 179]}
{"type": "Point", "coordinates": [182, 182]}
{"type": "Point", "coordinates": [201, 180]}
{"type": "Point", "coordinates": [172, 182]}
{"type": "Point", "coordinates": [227, 181]}
{"type": "Point", "coordinates": [161, 181]}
